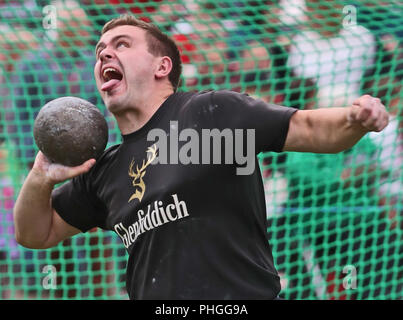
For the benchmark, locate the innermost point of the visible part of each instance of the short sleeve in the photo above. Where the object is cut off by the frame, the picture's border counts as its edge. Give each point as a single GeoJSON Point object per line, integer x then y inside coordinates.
{"type": "Point", "coordinates": [228, 109]}
{"type": "Point", "coordinates": [77, 204]}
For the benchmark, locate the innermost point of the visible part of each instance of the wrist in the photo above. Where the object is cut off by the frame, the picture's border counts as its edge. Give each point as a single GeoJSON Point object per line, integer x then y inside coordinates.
{"type": "Point", "coordinates": [41, 178]}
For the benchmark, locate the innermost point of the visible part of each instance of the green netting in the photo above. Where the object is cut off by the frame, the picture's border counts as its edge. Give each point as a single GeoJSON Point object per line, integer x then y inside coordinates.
{"type": "Point", "coordinates": [335, 221]}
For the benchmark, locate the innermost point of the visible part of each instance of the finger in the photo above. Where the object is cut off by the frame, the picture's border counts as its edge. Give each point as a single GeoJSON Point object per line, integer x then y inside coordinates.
{"type": "Point", "coordinates": [379, 118]}
{"type": "Point", "coordinates": [41, 157]}
{"type": "Point", "coordinates": [353, 113]}
{"type": "Point", "coordinates": [363, 114]}
{"type": "Point", "coordinates": [41, 163]}
{"type": "Point", "coordinates": [372, 118]}
{"type": "Point", "coordinates": [361, 100]}
{"type": "Point", "coordinates": [381, 123]}
{"type": "Point", "coordinates": [58, 172]}
{"type": "Point", "coordinates": [370, 123]}
{"type": "Point", "coordinates": [83, 168]}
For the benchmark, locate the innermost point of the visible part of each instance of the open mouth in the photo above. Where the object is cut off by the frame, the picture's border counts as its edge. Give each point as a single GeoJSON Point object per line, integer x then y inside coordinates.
{"type": "Point", "coordinates": [111, 77]}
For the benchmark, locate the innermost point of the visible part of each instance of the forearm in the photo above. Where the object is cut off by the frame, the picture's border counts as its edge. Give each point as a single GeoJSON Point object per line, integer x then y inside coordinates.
{"type": "Point", "coordinates": [322, 131]}
{"type": "Point", "coordinates": [330, 130]}
{"type": "Point", "coordinates": [33, 212]}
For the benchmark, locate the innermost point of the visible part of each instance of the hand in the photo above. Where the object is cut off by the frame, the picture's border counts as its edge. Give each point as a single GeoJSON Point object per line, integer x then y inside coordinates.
{"type": "Point", "coordinates": [56, 173]}
{"type": "Point", "coordinates": [369, 112]}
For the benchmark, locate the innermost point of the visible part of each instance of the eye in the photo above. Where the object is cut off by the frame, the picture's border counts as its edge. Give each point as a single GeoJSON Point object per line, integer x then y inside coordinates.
{"type": "Point", "coordinates": [122, 44]}
{"type": "Point", "coordinates": [97, 53]}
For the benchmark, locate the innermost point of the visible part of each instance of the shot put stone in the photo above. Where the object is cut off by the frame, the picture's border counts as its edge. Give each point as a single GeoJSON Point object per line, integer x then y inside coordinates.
{"type": "Point", "coordinates": [70, 130]}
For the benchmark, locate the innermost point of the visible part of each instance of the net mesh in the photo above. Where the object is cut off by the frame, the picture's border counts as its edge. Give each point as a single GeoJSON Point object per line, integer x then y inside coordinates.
{"type": "Point", "coordinates": [335, 221]}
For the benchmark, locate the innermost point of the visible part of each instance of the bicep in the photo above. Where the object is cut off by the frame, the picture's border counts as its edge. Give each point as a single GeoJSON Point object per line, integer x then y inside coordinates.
{"type": "Point", "coordinates": [299, 136]}
{"type": "Point", "coordinates": [60, 230]}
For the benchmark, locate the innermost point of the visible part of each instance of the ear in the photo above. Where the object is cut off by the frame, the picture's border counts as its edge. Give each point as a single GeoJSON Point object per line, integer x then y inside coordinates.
{"type": "Point", "coordinates": [164, 67]}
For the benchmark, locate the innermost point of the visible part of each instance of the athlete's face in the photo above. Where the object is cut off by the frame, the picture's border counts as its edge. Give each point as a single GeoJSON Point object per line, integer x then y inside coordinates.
{"type": "Point", "coordinates": [124, 68]}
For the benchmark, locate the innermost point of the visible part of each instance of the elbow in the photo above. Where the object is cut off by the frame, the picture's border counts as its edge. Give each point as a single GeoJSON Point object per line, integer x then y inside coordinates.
{"type": "Point", "coordinates": [32, 245]}
{"type": "Point", "coordinates": [28, 235]}
{"type": "Point", "coordinates": [28, 243]}
{"type": "Point", "coordinates": [23, 239]}
{"type": "Point", "coordinates": [23, 242]}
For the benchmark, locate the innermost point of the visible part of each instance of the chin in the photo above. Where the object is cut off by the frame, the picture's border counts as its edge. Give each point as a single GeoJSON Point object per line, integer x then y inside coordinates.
{"type": "Point", "coordinates": [112, 106]}
{"type": "Point", "coordinates": [115, 105]}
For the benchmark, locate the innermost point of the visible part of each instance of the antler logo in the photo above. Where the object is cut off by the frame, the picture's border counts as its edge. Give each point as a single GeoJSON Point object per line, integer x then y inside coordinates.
{"type": "Point", "coordinates": [138, 175]}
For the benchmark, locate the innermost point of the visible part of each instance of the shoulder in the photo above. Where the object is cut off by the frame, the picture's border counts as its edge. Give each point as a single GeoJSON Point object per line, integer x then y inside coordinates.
{"type": "Point", "coordinates": [211, 107]}
{"type": "Point", "coordinates": [109, 154]}
{"type": "Point", "coordinates": [218, 101]}
{"type": "Point", "coordinates": [211, 99]}
{"type": "Point", "coordinates": [195, 97]}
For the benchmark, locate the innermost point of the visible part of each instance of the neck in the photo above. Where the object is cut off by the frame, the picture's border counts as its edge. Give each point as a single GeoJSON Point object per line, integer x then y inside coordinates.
{"type": "Point", "coordinates": [133, 119]}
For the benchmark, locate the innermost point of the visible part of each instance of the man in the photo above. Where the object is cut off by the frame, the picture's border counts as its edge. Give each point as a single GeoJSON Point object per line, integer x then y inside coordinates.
{"type": "Point", "coordinates": [332, 52]}
{"type": "Point", "coordinates": [195, 231]}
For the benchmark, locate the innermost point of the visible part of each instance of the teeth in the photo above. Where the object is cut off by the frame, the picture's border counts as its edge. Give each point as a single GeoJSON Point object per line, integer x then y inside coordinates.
{"type": "Point", "coordinates": [107, 70]}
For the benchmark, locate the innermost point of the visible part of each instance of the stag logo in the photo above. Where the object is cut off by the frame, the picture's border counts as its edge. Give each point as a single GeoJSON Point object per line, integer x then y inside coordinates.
{"type": "Point", "coordinates": [138, 175]}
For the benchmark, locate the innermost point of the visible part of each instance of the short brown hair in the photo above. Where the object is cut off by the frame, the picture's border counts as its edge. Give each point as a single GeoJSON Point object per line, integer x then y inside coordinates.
{"type": "Point", "coordinates": [159, 44]}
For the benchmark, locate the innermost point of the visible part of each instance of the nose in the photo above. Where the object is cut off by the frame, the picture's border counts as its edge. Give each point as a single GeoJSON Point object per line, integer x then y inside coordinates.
{"type": "Point", "coordinates": [106, 54]}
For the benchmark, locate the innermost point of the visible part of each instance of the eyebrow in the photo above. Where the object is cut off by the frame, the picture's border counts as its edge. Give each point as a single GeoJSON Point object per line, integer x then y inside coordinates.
{"type": "Point", "coordinates": [114, 39]}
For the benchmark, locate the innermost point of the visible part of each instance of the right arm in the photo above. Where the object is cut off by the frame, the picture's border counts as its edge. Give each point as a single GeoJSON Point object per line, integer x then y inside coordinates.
{"type": "Point", "coordinates": [37, 224]}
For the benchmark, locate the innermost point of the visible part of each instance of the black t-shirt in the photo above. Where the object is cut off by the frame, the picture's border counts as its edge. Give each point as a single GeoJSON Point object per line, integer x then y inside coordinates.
{"type": "Point", "coordinates": [195, 231]}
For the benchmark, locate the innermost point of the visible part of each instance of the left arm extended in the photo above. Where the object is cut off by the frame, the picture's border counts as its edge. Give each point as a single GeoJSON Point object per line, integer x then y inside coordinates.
{"type": "Point", "coordinates": [331, 130]}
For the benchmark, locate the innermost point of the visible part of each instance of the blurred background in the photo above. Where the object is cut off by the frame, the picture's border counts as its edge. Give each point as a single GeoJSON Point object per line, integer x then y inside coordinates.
{"type": "Point", "coordinates": [335, 221]}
